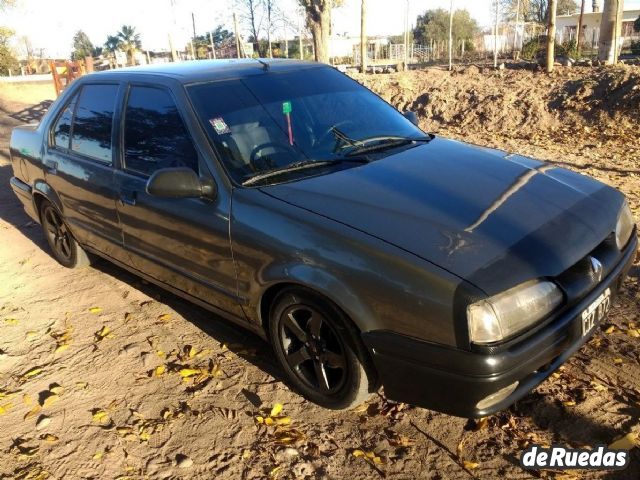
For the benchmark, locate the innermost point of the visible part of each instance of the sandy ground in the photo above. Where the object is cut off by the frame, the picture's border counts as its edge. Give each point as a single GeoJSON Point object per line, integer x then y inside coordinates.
{"type": "Point", "coordinates": [93, 362]}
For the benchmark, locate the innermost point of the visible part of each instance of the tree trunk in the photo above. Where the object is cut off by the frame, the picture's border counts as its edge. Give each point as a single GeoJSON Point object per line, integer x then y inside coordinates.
{"type": "Point", "coordinates": [451, 35]}
{"type": "Point", "coordinates": [551, 34]}
{"type": "Point", "coordinates": [320, 32]}
{"type": "Point", "coordinates": [363, 36]}
{"type": "Point", "coordinates": [610, 26]}
{"type": "Point", "coordinates": [580, 32]}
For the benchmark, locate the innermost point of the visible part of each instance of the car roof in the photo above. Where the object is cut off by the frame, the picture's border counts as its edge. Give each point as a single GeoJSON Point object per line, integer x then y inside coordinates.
{"type": "Point", "coordinates": [195, 71]}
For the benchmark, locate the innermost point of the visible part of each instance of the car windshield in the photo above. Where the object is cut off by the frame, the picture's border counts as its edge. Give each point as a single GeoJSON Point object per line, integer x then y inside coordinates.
{"type": "Point", "coordinates": [274, 122]}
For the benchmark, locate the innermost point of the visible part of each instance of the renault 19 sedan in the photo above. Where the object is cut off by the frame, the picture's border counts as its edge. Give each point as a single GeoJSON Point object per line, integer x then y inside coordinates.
{"type": "Point", "coordinates": [288, 198]}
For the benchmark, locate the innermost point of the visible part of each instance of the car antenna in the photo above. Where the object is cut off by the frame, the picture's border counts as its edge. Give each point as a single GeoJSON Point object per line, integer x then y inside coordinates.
{"type": "Point", "coordinates": [265, 65]}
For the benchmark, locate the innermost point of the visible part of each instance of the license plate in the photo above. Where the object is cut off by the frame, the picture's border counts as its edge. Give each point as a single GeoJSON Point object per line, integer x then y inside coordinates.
{"type": "Point", "coordinates": [596, 311]}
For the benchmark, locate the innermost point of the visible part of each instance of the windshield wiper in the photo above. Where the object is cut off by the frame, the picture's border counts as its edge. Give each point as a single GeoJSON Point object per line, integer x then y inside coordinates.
{"type": "Point", "coordinates": [384, 143]}
{"type": "Point", "coordinates": [302, 165]}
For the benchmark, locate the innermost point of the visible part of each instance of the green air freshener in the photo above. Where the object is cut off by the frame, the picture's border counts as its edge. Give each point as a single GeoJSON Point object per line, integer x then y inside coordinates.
{"type": "Point", "coordinates": [286, 108]}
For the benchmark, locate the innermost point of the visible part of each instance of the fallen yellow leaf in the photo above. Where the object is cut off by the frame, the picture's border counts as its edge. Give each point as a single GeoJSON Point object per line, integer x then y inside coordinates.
{"type": "Point", "coordinates": [188, 372]}
{"type": "Point", "coordinates": [4, 408]}
{"type": "Point", "coordinates": [268, 421]}
{"type": "Point", "coordinates": [164, 317]}
{"type": "Point", "coordinates": [275, 411]}
{"type": "Point", "coordinates": [569, 403]}
{"type": "Point", "coordinates": [633, 333]}
{"type": "Point", "coordinates": [159, 370]}
{"type": "Point", "coordinates": [81, 385]}
{"type": "Point", "coordinates": [100, 416]}
{"type": "Point", "coordinates": [26, 398]}
{"type": "Point", "coordinates": [50, 400]}
{"type": "Point", "coordinates": [57, 389]}
{"type": "Point", "coordinates": [104, 331]}
{"type": "Point", "coordinates": [627, 442]}
{"type": "Point", "coordinates": [470, 465]}
{"type": "Point", "coordinates": [283, 421]}
{"type": "Point", "coordinates": [611, 329]}
{"type": "Point", "coordinates": [95, 310]}
{"type": "Point", "coordinates": [61, 348]}
{"type": "Point", "coordinates": [49, 438]}
{"type": "Point", "coordinates": [33, 412]}
{"type": "Point", "coordinates": [33, 372]}
{"type": "Point", "coordinates": [617, 361]}
{"type": "Point", "coordinates": [10, 321]}
{"type": "Point", "coordinates": [98, 455]}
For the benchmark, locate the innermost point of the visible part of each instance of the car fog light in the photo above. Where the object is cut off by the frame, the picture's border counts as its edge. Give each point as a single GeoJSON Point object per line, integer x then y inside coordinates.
{"type": "Point", "coordinates": [496, 397]}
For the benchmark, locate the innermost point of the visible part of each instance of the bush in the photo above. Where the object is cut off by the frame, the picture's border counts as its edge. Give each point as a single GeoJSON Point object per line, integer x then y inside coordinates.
{"type": "Point", "coordinates": [567, 49]}
{"type": "Point", "coordinates": [534, 48]}
{"type": "Point", "coordinates": [635, 48]}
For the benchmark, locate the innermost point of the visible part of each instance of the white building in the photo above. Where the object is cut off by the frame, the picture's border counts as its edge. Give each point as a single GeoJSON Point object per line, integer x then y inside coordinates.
{"type": "Point", "coordinates": [567, 27]}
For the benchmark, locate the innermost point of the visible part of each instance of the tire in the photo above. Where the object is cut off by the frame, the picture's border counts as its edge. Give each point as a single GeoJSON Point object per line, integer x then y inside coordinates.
{"type": "Point", "coordinates": [63, 246]}
{"type": "Point", "coordinates": [319, 350]}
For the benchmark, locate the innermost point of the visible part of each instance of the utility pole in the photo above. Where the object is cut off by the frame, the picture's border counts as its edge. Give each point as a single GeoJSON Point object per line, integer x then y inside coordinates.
{"type": "Point", "coordinates": [235, 29]}
{"type": "Point", "coordinates": [286, 39]}
{"type": "Point", "coordinates": [406, 36]}
{"type": "Point", "coordinates": [551, 34]}
{"type": "Point", "coordinates": [363, 36]}
{"type": "Point", "coordinates": [579, 39]}
{"type": "Point", "coordinates": [269, 27]}
{"type": "Point", "coordinates": [300, 39]}
{"type": "Point", "coordinates": [515, 30]}
{"type": "Point", "coordinates": [174, 54]}
{"type": "Point", "coordinates": [451, 35]}
{"type": "Point", "coordinates": [495, 36]}
{"type": "Point", "coordinates": [213, 46]}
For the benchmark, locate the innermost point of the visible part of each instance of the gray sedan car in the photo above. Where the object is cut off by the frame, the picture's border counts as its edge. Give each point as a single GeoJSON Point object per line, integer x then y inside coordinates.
{"type": "Point", "coordinates": [286, 197]}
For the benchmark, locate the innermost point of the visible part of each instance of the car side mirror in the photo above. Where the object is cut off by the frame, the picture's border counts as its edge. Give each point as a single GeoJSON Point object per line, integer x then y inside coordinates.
{"type": "Point", "coordinates": [181, 182]}
{"type": "Point", "coordinates": [411, 116]}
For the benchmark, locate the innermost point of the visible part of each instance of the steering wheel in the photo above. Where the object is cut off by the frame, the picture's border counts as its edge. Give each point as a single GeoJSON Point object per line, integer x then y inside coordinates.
{"type": "Point", "coordinates": [266, 161]}
{"type": "Point", "coordinates": [329, 131]}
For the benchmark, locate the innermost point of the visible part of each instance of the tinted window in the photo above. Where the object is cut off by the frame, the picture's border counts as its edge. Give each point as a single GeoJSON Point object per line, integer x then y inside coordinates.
{"type": "Point", "coordinates": [62, 129]}
{"type": "Point", "coordinates": [93, 120]}
{"type": "Point", "coordinates": [155, 136]}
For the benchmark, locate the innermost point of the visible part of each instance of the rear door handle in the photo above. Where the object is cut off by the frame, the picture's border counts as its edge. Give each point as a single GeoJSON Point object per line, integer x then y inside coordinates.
{"type": "Point", "coordinates": [51, 166]}
{"type": "Point", "coordinates": [128, 198]}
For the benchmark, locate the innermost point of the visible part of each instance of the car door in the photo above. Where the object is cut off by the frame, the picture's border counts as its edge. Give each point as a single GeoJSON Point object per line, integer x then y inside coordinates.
{"type": "Point", "coordinates": [183, 242]}
{"type": "Point", "coordinates": [78, 166]}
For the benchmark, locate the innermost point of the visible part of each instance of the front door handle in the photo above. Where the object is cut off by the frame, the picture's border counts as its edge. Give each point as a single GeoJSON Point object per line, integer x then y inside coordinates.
{"type": "Point", "coordinates": [128, 198]}
{"type": "Point", "coordinates": [51, 166]}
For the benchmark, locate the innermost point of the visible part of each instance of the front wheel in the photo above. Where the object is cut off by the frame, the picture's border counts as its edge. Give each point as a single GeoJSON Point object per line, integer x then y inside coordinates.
{"type": "Point", "coordinates": [319, 350]}
{"type": "Point", "coordinates": [64, 247]}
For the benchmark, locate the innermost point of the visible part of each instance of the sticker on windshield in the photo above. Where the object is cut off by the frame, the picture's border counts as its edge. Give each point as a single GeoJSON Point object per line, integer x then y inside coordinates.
{"type": "Point", "coordinates": [219, 125]}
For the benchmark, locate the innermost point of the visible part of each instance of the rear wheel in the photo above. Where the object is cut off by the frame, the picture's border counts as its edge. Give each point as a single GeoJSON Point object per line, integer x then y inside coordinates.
{"type": "Point", "coordinates": [319, 350]}
{"type": "Point", "coordinates": [64, 247]}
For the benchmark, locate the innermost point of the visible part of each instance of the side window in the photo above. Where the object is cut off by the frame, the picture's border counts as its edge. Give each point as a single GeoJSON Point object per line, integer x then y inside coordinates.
{"type": "Point", "coordinates": [62, 128]}
{"type": "Point", "coordinates": [93, 121]}
{"type": "Point", "coordinates": [154, 135]}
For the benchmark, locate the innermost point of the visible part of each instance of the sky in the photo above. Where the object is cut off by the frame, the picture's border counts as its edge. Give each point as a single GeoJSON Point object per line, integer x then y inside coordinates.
{"type": "Point", "coordinates": [51, 24]}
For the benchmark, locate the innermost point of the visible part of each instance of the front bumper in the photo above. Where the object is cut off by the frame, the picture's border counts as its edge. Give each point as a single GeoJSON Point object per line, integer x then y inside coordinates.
{"type": "Point", "coordinates": [453, 381]}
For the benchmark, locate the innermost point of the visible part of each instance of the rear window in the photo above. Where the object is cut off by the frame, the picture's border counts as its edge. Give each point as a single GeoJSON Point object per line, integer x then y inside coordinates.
{"type": "Point", "coordinates": [62, 128]}
{"type": "Point", "coordinates": [91, 134]}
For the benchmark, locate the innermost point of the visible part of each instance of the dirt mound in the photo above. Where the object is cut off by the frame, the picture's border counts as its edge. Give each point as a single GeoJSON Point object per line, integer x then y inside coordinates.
{"type": "Point", "coordinates": [515, 103]}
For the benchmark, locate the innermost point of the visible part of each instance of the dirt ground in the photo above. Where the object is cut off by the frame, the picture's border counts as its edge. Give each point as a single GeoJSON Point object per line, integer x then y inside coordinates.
{"type": "Point", "coordinates": [105, 376]}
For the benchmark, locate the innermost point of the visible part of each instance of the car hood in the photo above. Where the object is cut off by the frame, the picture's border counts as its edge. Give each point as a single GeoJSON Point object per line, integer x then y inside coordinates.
{"type": "Point", "coordinates": [493, 219]}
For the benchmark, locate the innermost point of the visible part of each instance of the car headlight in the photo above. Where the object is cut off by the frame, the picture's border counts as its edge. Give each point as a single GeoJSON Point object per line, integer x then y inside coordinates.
{"type": "Point", "coordinates": [624, 226]}
{"type": "Point", "coordinates": [505, 314]}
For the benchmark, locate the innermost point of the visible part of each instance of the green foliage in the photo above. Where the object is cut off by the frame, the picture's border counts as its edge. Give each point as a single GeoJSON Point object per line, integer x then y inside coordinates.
{"type": "Point", "coordinates": [567, 49]}
{"type": "Point", "coordinates": [434, 25]}
{"type": "Point", "coordinates": [635, 48]}
{"type": "Point", "coordinates": [129, 42]}
{"type": "Point", "coordinates": [202, 44]}
{"type": "Point", "coordinates": [534, 48]}
{"type": "Point", "coordinates": [8, 61]}
{"type": "Point", "coordinates": [82, 46]}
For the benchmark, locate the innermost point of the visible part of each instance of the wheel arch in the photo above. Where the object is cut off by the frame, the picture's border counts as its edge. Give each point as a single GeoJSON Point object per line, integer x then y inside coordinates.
{"type": "Point", "coordinates": [43, 191]}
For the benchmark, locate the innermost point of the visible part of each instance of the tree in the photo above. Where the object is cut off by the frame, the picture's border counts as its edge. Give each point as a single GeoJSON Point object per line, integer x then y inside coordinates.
{"type": "Point", "coordinates": [129, 42]}
{"type": "Point", "coordinates": [536, 10]}
{"type": "Point", "coordinates": [318, 17]}
{"type": "Point", "coordinates": [551, 35]}
{"type": "Point", "coordinates": [202, 44]}
{"type": "Point", "coordinates": [363, 36]}
{"type": "Point", "coordinates": [610, 28]}
{"type": "Point", "coordinates": [82, 46]}
{"type": "Point", "coordinates": [433, 25]}
{"type": "Point", "coordinates": [251, 13]}
{"type": "Point", "coordinates": [8, 61]}
{"type": "Point", "coordinates": [636, 24]}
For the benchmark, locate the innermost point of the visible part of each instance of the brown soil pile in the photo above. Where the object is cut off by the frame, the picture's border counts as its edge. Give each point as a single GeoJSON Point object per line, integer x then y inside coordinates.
{"type": "Point", "coordinates": [515, 103]}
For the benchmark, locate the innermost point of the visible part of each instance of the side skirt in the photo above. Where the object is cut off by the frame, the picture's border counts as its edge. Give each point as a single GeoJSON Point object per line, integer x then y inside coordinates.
{"type": "Point", "coordinates": [258, 330]}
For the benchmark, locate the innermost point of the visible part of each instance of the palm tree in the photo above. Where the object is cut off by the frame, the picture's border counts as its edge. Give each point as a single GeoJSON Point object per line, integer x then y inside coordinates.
{"type": "Point", "coordinates": [129, 42]}
{"type": "Point", "coordinates": [112, 45]}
